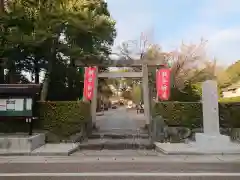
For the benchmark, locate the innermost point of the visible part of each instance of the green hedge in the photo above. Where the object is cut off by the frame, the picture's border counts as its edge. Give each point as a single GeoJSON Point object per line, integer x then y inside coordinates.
{"type": "Point", "coordinates": [190, 114]}
{"type": "Point", "coordinates": [9, 125]}
{"type": "Point", "coordinates": [62, 119]}
{"type": "Point", "coordinates": [230, 100]}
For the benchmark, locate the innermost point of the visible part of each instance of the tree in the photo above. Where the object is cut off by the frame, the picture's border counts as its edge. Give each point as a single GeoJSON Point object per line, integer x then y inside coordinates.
{"type": "Point", "coordinates": [223, 77]}
{"type": "Point", "coordinates": [3, 30]}
{"type": "Point", "coordinates": [137, 94]}
{"type": "Point", "coordinates": [92, 38]}
{"type": "Point", "coordinates": [44, 35]}
{"type": "Point", "coordinates": [231, 74]}
{"type": "Point", "coordinates": [127, 95]}
{"type": "Point", "coordinates": [189, 65]}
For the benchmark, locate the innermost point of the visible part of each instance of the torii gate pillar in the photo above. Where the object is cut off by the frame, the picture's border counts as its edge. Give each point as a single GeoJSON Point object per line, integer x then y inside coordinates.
{"type": "Point", "coordinates": [146, 99]}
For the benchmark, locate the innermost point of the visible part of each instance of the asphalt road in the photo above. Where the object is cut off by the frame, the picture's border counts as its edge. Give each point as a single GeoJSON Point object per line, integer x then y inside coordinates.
{"type": "Point", "coordinates": [125, 178]}
{"type": "Point", "coordinates": [120, 170]}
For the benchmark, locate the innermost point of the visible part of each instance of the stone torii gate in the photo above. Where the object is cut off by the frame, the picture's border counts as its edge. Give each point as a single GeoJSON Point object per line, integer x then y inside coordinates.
{"type": "Point", "coordinates": [144, 63]}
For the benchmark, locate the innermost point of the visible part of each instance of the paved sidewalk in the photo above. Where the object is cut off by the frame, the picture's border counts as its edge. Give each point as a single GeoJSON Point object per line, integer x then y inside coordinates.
{"type": "Point", "coordinates": [120, 119]}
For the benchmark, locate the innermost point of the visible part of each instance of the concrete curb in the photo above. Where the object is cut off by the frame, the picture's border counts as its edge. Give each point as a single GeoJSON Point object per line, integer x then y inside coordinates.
{"type": "Point", "coordinates": [188, 153]}
{"type": "Point", "coordinates": [33, 153]}
{"type": "Point", "coordinates": [15, 153]}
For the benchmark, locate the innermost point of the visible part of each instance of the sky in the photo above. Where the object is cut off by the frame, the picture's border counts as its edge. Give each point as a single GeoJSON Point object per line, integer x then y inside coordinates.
{"type": "Point", "coordinates": [171, 22]}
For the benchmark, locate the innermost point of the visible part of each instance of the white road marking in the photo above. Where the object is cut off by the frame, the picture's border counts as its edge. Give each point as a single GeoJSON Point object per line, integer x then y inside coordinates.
{"type": "Point", "coordinates": [119, 174]}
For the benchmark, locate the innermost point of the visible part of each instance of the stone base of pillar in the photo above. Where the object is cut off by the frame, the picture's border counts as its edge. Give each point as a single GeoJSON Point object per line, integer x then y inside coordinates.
{"type": "Point", "coordinates": [94, 126]}
{"type": "Point", "coordinates": [146, 126]}
{"type": "Point", "coordinates": [209, 141]}
{"type": "Point", "coordinates": [215, 144]}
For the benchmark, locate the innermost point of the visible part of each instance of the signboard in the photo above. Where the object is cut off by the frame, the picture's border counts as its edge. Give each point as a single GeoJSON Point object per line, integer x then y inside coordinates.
{"type": "Point", "coordinates": [28, 104]}
{"type": "Point", "coordinates": [10, 105]}
{"type": "Point", "coordinates": [16, 107]}
{"type": "Point", "coordinates": [163, 77]}
{"type": "Point", "coordinates": [3, 105]}
{"type": "Point", "coordinates": [89, 82]}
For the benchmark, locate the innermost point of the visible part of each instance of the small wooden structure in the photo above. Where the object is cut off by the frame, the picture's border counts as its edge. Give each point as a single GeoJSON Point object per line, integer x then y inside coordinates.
{"type": "Point", "coordinates": [16, 101]}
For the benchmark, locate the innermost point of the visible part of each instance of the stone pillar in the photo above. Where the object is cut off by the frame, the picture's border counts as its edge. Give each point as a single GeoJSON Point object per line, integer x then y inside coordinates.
{"type": "Point", "coordinates": [146, 93]}
{"type": "Point", "coordinates": [211, 139]}
{"type": "Point", "coordinates": [210, 107]}
{"type": "Point", "coordinates": [94, 100]}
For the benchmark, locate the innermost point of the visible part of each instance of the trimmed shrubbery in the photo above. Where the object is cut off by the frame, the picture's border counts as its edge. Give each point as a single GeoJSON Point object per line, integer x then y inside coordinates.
{"type": "Point", "coordinates": [62, 119]}
{"type": "Point", "coordinates": [190, 114]}
{"type": "Point", "coordinates": [230, 100]}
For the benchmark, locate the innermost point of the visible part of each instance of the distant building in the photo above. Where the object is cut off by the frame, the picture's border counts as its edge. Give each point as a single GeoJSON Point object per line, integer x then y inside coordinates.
{"type": "Point", "coordinates": [232, 90]}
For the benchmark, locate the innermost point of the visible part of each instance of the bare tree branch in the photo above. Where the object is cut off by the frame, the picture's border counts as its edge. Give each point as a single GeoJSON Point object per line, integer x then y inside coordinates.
{"type": "Point", "coordinates": [189, 64]}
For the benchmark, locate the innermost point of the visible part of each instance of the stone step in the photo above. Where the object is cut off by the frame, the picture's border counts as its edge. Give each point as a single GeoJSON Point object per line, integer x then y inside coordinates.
{"type": "Point", "coordinates": [120, 133]}
{"type": "Point", "coordinates": [117, 153]}
{"type": "Point", "coordinates": [111, 135]}
{"type": "Point", "coordinates": [116, 144]}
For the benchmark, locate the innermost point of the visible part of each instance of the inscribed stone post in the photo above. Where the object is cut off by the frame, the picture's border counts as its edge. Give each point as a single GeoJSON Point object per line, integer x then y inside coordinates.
{"type": "Point", "coordinates": [210, 107]}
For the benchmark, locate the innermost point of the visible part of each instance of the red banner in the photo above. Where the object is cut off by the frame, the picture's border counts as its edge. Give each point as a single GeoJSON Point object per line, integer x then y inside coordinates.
{"type": "Point", "coordinates": [163, 77]}
{"type": "Point", "coordinates": [89, 82]}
